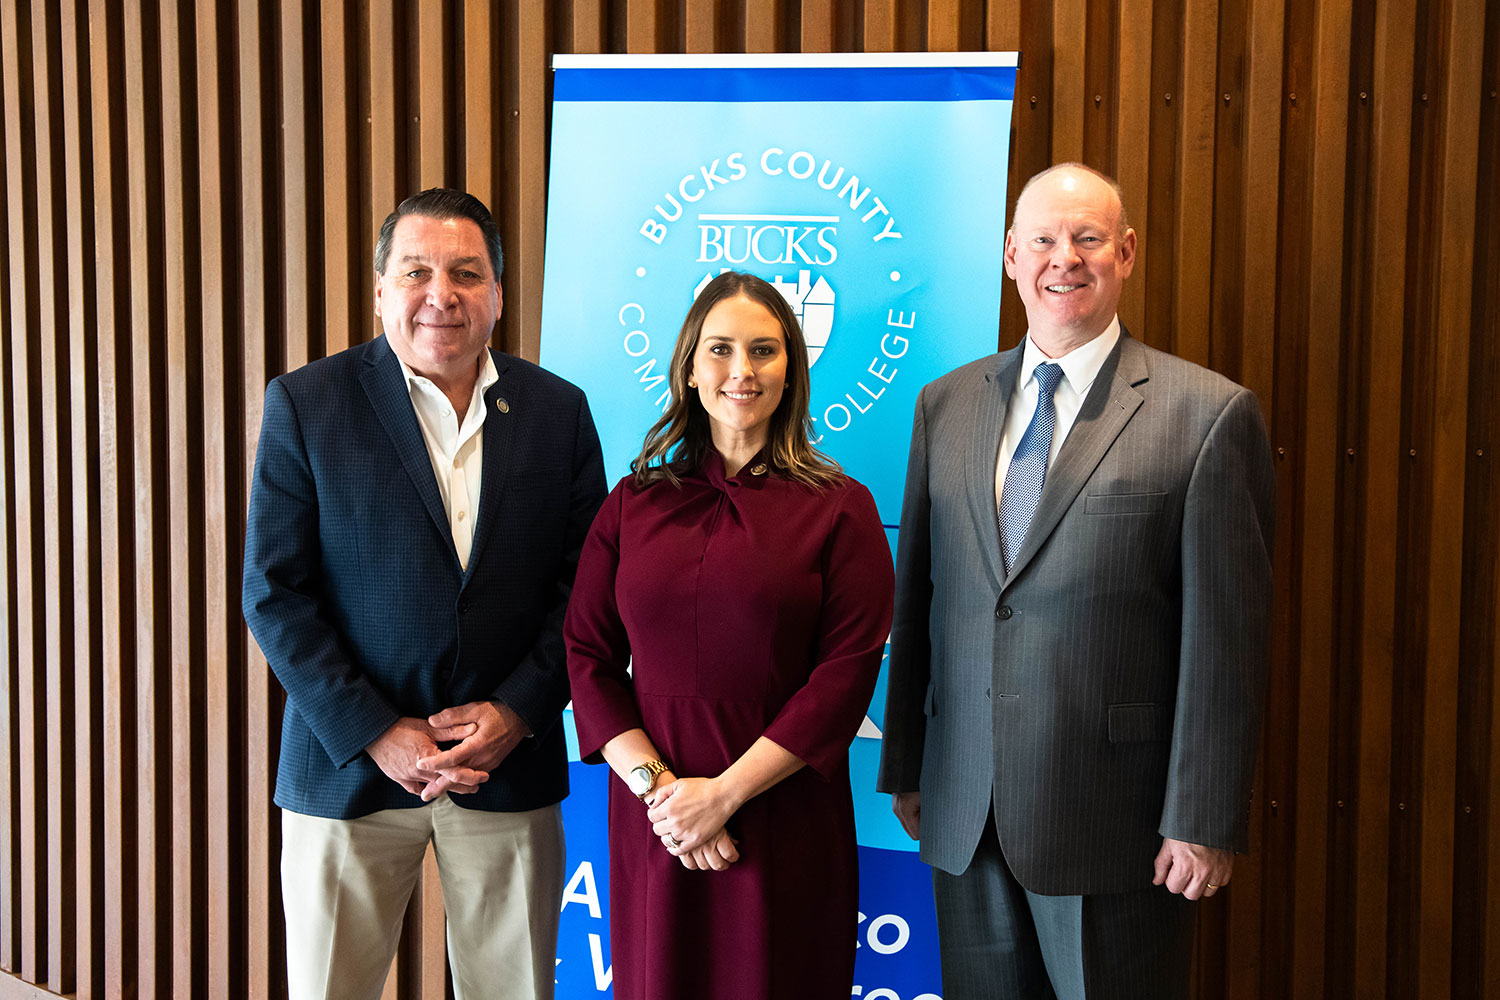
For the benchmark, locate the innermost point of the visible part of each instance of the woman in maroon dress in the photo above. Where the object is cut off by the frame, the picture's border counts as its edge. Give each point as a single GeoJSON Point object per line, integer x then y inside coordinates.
{"type": "Point", "coordinates": [746, 584]}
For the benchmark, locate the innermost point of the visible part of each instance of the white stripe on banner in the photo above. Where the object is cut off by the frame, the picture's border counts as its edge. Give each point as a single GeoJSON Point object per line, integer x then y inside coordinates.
{"type": "Point", "coordinates": [870, 189]}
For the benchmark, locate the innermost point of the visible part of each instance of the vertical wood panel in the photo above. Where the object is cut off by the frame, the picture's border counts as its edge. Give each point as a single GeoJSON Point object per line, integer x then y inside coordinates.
{"type": "Point", "coordinates": [700, 25]}
{"type": "Point", "coordinates": [1455, 206]}
{"type": "Point", "coordinates": [111, 394]}
{"type": "Point", "coordinates": [301, 314]}
{"type": "Point", "coordinates": [524, 137]}
{"type": "Point", "coordinates": [57, 690]}
{"type": "Point", "coordinates": [1265, 20]}
{"type": "Point", "coordinates": [764, 23]}
{"type": "Point", "coordinates": [880, 26]}
{"type": "Point", "coordinates": [153, 875]}
{"type": "Point", "coordinates": [10, 853]}
{"type": "Point", "coordinates": [1391, 93]}
{"type": "Point", "coordinates": [1195, 179]}
{"type": "Point", "coordinates": [480, 103]}
{"type": "Point", "coordinates": [264, 932]}
{"type": "Point", "coordinates": [585, 32]}
{"type": "Point", "coordinates": [1320, 478]}
{"type": "Point", "coordinates": [1069, 53]}
{"type": "Point", "coordinates": [1133, 112]}
{"type": "Point", "coordinates": [185, 941]}
{"type": "Point", "coordinates": [223, 731]}
{"type": "Point", "coordinates": [341, 256]}
{"type": "Point", "coordinates": [29, 706]}
{"type": "Point", "coordinates": [82, 724]}
{"type": "Point", "coordinates": [431, 96]}
{"type": "Point", "coordinates": [817, 26]}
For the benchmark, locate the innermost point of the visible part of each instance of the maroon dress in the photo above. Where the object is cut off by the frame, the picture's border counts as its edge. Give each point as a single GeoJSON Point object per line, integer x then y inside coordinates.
{"type": "Point", "coordinates": [751, 606]}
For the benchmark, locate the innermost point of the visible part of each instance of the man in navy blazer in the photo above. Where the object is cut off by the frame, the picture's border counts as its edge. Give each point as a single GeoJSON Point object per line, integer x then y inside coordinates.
{"type": "Point", "coordinates": [416, 515]}
{"type": "Point", "coordinates": [1083, 595]}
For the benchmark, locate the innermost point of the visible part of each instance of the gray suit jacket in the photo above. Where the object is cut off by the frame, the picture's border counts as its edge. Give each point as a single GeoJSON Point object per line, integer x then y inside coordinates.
{"type": "Point", "coordinates": [1107, 692]}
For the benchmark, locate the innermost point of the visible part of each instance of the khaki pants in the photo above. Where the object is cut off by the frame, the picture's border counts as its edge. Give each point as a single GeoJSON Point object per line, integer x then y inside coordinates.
{"type": "Point", "coordinates": [345, 885]}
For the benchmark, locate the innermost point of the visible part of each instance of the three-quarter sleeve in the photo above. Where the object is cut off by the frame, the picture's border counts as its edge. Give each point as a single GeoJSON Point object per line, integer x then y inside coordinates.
{"type": "Point", "coordinates": [598, 648]}
{"type": "Point", "coordinates": [820, 720]}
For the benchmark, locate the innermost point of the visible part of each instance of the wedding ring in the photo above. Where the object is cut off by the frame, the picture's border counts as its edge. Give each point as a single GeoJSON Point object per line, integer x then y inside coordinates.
{"type": "Point", "coordinates": [673, 841]}
{"type": "Point", "coordinates": [1210, 885]}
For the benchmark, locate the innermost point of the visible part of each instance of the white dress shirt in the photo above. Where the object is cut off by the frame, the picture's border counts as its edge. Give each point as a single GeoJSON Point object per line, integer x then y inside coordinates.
{"type": "Point", "coordinates": [1080, 367]}
{"type": "Point", "coordinates": [456, 449]}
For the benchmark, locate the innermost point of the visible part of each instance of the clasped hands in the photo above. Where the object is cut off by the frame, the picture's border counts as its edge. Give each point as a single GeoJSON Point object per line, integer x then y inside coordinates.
{"type": "Point", "coordinates": [692, 812]}
{"type": "Point", "coordinates": [408, 753]}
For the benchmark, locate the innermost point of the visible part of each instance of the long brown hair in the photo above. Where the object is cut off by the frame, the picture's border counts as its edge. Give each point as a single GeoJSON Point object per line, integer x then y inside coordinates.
{"type": "Point", "coordinates": [682, 439]}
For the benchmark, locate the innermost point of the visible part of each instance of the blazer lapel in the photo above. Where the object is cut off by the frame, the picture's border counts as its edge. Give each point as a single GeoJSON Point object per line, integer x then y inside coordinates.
{"type": "Point", "coordinates": [1106, 410]}
{"type": "Point", "coordinates": [385, 385]}
{"type": "Point", "coordinates": [500, 433]}
{"type": "Point", "coordinates": [984, 451]}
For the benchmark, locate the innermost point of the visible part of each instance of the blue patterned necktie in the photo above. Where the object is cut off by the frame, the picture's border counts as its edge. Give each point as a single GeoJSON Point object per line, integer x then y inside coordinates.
{"type": "Point", "coordinates": [1028, 466]}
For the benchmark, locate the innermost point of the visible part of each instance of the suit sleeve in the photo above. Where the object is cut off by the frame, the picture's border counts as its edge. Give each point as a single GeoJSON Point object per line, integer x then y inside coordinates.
{"type": "Point", "coordinates": [598, 648]}
{"type": "Point", "coordinates": [1227, 538]}
{"type": "Point", "coordinates": [820, 720]}
{"type": "Point", "coordinates": [537, 690]}
{"type": "Point", "coordinates": [911, 649]}
{"type": "Point", "coordinates": [282, 597]}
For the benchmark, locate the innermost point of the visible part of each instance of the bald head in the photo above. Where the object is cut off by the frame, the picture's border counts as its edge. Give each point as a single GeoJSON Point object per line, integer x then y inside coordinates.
{"type": "Point", "coordinates": [1069, 252]}
{"type": "Point", "coordinates": [1073, 171]}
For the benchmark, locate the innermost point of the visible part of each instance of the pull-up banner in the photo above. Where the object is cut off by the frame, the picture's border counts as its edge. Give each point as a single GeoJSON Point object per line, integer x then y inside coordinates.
{"type": "Point", "coordinates": [870, 190]}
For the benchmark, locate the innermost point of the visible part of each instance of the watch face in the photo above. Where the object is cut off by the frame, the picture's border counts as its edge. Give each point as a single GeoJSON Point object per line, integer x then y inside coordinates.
{"type": "Point", "coordinates": [639, 780]}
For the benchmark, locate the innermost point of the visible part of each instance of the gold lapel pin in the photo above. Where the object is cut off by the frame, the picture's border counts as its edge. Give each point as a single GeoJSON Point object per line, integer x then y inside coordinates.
{"type": "Point", "coordinates": [759, 470]}
{"type": "Point", "coordinates": [502, 405]}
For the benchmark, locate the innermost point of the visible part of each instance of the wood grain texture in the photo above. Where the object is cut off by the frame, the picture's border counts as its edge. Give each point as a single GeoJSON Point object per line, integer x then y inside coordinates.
{"type": "Point", "coordinates": [223, 726]}
{"type": "Point", "coordinates": [86, 948]}
{"type": "Point", "coordinates": [192, 195]}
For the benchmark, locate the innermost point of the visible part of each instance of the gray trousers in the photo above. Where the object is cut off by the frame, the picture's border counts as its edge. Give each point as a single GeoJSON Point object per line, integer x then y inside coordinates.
{"type": "Point", "coordinates": [999, 941]}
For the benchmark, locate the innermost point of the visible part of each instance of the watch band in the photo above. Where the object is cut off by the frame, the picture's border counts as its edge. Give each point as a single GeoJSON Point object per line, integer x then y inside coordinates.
{"type": "Point", "coordinates": [655, 769]}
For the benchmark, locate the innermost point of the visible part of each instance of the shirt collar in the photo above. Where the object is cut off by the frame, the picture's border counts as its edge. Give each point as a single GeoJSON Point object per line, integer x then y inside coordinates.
{"type": "Point", "coordinates": [488, 376]}
{"type": "Point", "coordinates": [1080, 365]}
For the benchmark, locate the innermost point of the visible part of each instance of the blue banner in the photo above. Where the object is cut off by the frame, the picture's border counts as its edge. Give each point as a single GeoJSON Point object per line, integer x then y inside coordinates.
{"type": "Point", "coordinates": [871, 191]}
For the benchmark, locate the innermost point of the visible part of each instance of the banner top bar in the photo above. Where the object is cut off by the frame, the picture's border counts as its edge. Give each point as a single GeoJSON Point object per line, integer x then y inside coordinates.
{"type": "Point", "coordinates": [788, 60]}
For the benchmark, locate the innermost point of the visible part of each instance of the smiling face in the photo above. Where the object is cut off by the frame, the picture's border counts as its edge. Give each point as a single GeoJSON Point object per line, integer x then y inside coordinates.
{"type": "Point", "coordinates": [1069, 256]}
{"type": "Point", "coordinates": [439, 297]}
{"type": "Point", "coordinates": [739, 369]}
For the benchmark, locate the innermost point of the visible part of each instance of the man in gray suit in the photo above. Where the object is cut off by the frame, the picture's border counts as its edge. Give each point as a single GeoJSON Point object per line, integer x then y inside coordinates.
{"type": "Point", "coordinates": [1079, 649]}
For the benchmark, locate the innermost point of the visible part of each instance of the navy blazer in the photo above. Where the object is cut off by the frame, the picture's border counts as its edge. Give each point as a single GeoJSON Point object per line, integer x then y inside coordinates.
{"type": "Point", "coordinates": [353, 587]}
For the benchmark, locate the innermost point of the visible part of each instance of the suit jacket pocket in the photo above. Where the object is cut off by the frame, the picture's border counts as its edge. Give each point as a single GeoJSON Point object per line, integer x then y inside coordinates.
{"type": "Point", "coordinates": [1143, 722]}
{"type": "Point", "coordinates": [1124, 503]}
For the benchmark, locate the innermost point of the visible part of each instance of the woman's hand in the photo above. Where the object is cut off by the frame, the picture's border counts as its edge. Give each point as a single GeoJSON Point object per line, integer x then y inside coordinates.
{"type": "Point", "coordinates": [717, 853]}
{"type": "Point", "coordinates": [691, 812]}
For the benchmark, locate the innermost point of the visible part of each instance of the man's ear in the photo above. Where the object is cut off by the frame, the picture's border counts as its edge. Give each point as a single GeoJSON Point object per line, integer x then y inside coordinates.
{"type": "Point", "coordinates": [1010, 254]}
{"type": "Point", "coordinates": [1127, 253]}
{"type": "Point", "coordinates": [377, 293]}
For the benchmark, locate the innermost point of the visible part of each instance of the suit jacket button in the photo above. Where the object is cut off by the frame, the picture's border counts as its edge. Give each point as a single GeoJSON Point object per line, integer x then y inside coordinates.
{"type": "Point", "coordinates": [1003, 612]}
{"type": "Point", "coordinates": [463, 606]}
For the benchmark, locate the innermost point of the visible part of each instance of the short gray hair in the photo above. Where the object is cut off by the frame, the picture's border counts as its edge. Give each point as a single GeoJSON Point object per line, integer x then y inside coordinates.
{"type": "Point", "coordinates": [442, 203]}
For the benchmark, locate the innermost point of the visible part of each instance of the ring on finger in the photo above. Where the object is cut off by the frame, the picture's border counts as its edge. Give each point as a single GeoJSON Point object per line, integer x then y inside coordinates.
{"type": "Point", "coordinates": [1210, 886]}
{"type": "Point", "coordinates": [673, 841]}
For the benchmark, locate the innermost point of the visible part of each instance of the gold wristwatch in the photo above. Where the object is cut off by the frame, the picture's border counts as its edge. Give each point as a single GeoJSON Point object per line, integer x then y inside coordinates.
{"type": "Point", "coordinates": [641, 779]}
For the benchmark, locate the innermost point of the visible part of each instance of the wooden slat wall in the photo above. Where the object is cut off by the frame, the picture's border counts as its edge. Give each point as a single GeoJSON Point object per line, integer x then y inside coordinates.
{"type": "Point", "coordinates": [192, 192]}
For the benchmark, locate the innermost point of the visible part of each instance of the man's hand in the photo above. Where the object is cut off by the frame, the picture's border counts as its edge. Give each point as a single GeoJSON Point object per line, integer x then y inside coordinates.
{"type": "Point", "coordinates": [1192, 869]}
{"type": "Point", "coordinates": [487, 732]}
{"type": "Point", "coordinates": [908, 809]}
{"type": "Point", "coordinates": [399, 752]}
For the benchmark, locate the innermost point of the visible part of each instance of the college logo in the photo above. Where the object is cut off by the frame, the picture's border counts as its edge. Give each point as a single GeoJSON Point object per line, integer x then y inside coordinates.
{"type": "Point", "coordinates": [703, 225]}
